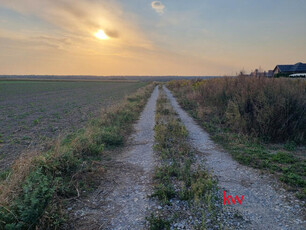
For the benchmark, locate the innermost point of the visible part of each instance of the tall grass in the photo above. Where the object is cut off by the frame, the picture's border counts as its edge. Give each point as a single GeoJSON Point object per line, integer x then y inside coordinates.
{"type": "Point", "coordinates": [272, 109]}
{"type": "Point", "coordinates": [31, 195]}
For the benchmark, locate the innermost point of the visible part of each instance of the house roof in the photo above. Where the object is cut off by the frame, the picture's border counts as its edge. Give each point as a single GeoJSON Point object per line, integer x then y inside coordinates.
{"type": "Point", "coordinates": [285, 68]}
{"type": "Point", "coordinates": [298, 67]}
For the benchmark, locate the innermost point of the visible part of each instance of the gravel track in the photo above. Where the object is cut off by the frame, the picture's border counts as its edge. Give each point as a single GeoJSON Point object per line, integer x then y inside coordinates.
{"type": "Point", "coordinates": [131, 196]}
{"type": "Point", "coordinates": [264, 206]}
{"type": "Point", "coordinates": [122, 200]}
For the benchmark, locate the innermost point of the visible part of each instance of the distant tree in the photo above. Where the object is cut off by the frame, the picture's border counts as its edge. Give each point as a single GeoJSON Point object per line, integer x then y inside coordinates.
{"type": "Point", "coordinates": [242, 73]}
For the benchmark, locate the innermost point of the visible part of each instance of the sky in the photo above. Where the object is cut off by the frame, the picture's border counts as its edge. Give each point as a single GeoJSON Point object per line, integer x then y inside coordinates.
{"type": "Point", "coordinates": [145, 37]}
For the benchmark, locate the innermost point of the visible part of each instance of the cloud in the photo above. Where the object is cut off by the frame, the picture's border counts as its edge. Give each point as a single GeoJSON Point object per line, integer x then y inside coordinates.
{"type": "Point", "coordinates": [158, 6]}
{"type": "Point", "coordinates": [112, 33]}
{"type": "Point", "coordinates": [79, 22]}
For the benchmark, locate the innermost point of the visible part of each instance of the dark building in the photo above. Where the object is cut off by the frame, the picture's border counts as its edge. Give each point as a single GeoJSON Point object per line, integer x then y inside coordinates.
{"type": "Point", "coordinates": [289, 69]}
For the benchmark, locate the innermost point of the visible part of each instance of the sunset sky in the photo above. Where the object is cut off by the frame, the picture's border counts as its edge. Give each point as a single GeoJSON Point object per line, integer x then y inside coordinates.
{"type": "Point", "coordinates": [142, 37]}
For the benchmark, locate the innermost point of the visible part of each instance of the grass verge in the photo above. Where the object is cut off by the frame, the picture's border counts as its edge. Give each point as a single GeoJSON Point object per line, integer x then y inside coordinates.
{"type": "Point", "coordinates": [250, 123]}
{"type": "Point", "coordinates": [33, 191]}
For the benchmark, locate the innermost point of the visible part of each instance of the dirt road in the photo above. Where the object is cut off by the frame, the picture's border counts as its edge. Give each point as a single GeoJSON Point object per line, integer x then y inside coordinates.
{"type": "Point", "coordinates": [122, 200]}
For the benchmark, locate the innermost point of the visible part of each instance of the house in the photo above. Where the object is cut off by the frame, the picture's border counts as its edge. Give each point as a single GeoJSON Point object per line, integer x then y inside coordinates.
{"type": "Point", "coordinates": [269, 73]}
{"type": "Point", "coordinates": [258, 73]}
{"type": "Point", "coordinates": [286, 70]}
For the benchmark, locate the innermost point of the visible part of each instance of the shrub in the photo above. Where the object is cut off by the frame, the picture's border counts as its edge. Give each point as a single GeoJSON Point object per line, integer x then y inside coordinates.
{"type": "Point", "coordinates": [164, 193]}
{"type": "Point", "coordinates": [37, 192]}
{"type": "Point", "coordinates": [271, 109]}
{"type": "Point", "coordinates": [246, 114]}
{"type": "Point", "coordinates": [158, 223]}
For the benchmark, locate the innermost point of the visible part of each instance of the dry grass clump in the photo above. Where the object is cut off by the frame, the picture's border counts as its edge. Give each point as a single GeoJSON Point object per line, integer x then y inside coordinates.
{"type": "Point", "coordinates": [271, 109]}
{"type": "Point", "coordinates": [10, 188]}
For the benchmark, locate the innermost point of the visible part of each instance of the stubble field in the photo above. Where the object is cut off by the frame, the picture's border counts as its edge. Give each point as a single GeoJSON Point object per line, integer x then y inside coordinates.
{"type": "Point", "coordinates": [34, 112]}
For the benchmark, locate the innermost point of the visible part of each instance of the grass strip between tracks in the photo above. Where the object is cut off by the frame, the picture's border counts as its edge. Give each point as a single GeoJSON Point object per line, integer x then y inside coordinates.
{"type": "Point", "coordinates": [185, 190]}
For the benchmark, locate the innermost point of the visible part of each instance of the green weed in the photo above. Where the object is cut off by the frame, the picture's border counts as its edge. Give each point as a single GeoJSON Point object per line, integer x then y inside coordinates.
{"type": "Point", "coordinates": [290, 146]}
{"type": "Point", "coordinates": [4, 174]}
{"type": "Point", "coordinates": [36, 121]}
{"type": "Point", "coordinates": [164, 193]}
{"type": "Point", "coordinates": [158, 223]}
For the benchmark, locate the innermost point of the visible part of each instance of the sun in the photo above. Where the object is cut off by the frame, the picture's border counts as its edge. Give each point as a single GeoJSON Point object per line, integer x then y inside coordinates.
{"type": "Point", "coordinates": [101, 35]}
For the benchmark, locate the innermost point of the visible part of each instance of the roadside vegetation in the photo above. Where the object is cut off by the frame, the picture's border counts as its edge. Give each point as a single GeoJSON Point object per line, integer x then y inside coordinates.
{"type": "Point", "coordinates": [186, 192]}
{"type": "Point", "coordinates": [260, 121]}
{"type": "Point", "coordinates": [34, 190]}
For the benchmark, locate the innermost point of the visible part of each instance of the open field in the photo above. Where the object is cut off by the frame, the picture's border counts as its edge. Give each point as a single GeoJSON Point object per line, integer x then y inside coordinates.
{"type": "Point", "coordinates": [34, 112]}
{"type": "Point", "coordinates": [99, 78]}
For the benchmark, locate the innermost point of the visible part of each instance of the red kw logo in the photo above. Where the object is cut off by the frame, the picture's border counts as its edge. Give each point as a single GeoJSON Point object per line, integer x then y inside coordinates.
{"type": "Point", "coordinates": [226, 199]}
